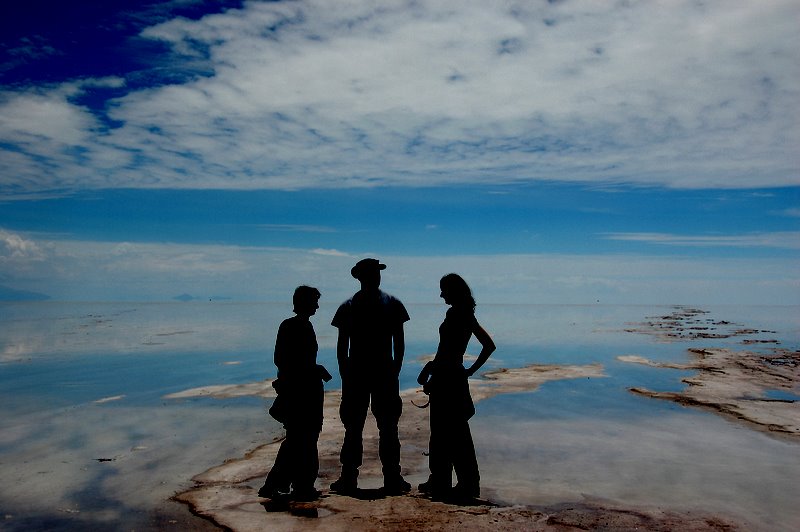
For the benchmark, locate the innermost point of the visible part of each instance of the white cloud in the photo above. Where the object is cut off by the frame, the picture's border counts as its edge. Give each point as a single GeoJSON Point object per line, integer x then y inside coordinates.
{"type": "Point", "coordinates": [298, 228]}
{"type": "Point", "coordinates": [329, 252]}
{"type": "Point", "coordinates": [785, 239]}
{"type": "Point", "coordinates": [14, 247]}
{"type": "Point", "coordinates": [675, 93]}
{"type": "Point", "coordinates": [111, 271]}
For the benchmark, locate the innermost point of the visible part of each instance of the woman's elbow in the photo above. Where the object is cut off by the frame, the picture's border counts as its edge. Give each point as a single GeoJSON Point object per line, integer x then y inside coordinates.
{"type": "Point", "coordinates": [489, 346]}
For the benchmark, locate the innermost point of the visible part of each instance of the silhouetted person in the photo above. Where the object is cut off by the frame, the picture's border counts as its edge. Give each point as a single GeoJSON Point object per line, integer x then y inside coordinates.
{"type": "Point", "coordinates": [370, 330]}
{"type": "Point", "coordinates": [445, 380]}
{"type": "Point", "coordinates": [299, 402]}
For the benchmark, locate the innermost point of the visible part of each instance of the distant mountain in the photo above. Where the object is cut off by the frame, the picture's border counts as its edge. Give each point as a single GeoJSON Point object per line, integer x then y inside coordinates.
{"type": "Point", "coordinates": [184, 297]}
{"type": "Point", "coordinates": [11, 294]}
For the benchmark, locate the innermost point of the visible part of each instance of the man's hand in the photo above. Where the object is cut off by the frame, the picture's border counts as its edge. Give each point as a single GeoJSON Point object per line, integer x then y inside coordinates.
{"type": "Point", "coordinates": [425, 374]}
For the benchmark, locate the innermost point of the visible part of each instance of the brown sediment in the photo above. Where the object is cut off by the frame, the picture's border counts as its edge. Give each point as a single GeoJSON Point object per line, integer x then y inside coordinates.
{"type": "Point", "coordinates": [687, 323]}
{"type": "Point", "coordinates": [227, 494]}
{"type": "Point", "coordinates": [735, 384]}
{"type": "Point", "coordinates": [731, 383]}
{"type": "Point", "coordinates": [227, 391]}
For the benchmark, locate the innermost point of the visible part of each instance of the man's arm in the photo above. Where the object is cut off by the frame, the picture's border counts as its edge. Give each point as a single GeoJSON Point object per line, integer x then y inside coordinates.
{"type": "Point", "coordinates": [399, 341]}
{"type": "Point", "coordinates": [342, 351]}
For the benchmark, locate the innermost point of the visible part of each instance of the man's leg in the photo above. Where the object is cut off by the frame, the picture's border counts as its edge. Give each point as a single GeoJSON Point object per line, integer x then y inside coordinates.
{"type": "Point", "coordinates": [353, 412]}
{"type": "Point", "coordinates": [387, 407]}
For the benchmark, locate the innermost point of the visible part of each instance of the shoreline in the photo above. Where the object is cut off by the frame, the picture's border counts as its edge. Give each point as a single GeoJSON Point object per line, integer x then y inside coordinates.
{"type": "Point", "coordinates": [227, 493]}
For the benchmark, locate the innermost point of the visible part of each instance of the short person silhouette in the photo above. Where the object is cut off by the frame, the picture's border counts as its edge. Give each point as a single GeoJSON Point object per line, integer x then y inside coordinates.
{"type": "Point", "coordinates": [370, 351]}
{"type": "Point", "coordinates": [451, 406]}
{"type": "Point", "coordinates": [299, 402]}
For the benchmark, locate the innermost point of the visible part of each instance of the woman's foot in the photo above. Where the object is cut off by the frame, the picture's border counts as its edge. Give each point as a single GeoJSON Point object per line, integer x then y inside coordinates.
{"type": "Point", "coordinates": [466, 492]}
{"type": "Point", "coordinates": [268, 491]}
{"type": "Point", "coordinates": [434, 491]}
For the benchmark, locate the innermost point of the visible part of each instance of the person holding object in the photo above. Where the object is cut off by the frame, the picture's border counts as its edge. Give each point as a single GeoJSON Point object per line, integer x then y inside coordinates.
{"type": "Point", "coordinates": [370, 350]}
{"type": "Point", "coordinates": [299, 402]}
{"type": "Point", "coordinates": [444, 379]}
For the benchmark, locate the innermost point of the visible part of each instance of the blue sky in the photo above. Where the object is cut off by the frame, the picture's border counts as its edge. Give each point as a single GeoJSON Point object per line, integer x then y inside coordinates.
{"type": "Point", "coordinates": [551, 151]}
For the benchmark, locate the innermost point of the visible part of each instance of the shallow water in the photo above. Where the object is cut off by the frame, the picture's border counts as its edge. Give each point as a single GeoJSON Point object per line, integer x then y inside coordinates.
{"type": "Point", "coordinates": [87, 437]}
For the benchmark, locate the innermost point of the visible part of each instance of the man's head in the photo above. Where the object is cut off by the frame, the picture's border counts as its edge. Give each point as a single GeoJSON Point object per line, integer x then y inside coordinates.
{"type": "Point", "coordinates": [368, 271]}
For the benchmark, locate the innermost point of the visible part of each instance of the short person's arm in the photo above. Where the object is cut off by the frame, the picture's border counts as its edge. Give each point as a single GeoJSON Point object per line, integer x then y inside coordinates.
{"type": "Point", "coordinates": [342, 350]}
{"type": "Point", "coordinates": [488, 348]}
{"type": "Point", "coordinates": [281, 353]}
{"type": "Point", "coordinates": [399, 341]}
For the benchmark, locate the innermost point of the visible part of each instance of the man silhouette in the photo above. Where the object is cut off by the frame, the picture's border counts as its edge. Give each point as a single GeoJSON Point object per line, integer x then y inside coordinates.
{"type": "Point", "coordinates": [370, 331]}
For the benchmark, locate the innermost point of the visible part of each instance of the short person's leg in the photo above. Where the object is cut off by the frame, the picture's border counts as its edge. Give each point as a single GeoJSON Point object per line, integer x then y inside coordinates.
{"type": "Point", "coordinates": [306, 466]}
{"type": "Point", "coordinates": [279, 477]}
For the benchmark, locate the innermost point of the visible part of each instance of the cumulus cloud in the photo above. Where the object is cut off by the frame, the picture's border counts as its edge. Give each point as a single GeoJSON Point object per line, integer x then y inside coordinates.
{"type": "Point", "coordinates": [14, 247]}
{"type": "Point", "coordinates": [304, 94]}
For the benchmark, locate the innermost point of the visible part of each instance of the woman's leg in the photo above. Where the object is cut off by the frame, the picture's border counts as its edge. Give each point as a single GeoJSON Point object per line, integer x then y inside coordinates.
{"type": "Point", "coordinates": [440, 449]}
{"type": "Point", "coordinates": [465, 461]}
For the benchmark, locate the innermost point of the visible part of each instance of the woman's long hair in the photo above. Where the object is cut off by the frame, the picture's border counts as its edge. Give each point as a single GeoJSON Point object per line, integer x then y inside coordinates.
{"type": "Point", "coordinates": [455, 285]}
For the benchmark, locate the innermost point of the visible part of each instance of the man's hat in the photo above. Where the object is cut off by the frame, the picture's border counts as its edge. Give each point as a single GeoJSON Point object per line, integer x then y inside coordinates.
{"type": "Point", "coordinates": [366, 265]}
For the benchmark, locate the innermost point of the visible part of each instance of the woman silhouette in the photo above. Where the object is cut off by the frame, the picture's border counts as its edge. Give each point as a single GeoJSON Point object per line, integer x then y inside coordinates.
{"type": "Point", "coordinates": [444, 379]}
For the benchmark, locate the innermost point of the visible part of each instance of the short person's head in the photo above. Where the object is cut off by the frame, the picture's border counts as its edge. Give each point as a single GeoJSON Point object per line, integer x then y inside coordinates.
{"type": "Point", "coordinates": [306, 300]}
{"type": "Point", "coordinates": [456, 292]}
{"type": "Point", "coordinates": [368, 272]}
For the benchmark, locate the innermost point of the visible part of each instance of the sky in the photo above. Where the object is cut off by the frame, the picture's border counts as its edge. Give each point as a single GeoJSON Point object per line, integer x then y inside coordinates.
{"type": "Point", "coordinates": [561, 151]}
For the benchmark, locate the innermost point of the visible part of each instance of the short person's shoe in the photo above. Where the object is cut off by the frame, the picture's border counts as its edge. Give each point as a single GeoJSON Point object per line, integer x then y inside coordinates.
{"type": "Point", "coordinates": [345, 485]}
{"type": "Point", "coordinates": [396, 486]}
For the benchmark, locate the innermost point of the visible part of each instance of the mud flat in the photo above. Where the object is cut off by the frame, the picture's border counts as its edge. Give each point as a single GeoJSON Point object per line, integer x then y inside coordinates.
{"type": "Point", "coordinates": [227, 494]}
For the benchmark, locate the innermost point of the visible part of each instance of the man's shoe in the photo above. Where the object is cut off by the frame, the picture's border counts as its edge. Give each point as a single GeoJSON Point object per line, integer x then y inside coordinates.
{"type": "Point", "coordinates": [398, 486]}
{"type": "Point", "coordinates": [306, 495]}
{"type": "Point", "coordinates": [345, 485]}
{"type": "Point", "coordinates": [426, 487]}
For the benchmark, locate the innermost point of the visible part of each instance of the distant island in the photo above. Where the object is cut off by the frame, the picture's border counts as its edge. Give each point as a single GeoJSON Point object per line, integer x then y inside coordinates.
{"type": "Point", "coordinates": [12, 294]}
{"type": "Point", "coordinates": [189, 297]}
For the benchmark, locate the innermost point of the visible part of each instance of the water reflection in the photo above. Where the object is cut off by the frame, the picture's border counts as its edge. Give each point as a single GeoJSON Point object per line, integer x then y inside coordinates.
{"type": "Point", "coordinates": [61, 364]}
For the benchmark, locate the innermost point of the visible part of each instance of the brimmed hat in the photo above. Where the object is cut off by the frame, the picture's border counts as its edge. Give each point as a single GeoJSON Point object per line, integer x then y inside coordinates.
{"type": "Point", "coordinates": [366, 265]}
